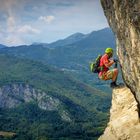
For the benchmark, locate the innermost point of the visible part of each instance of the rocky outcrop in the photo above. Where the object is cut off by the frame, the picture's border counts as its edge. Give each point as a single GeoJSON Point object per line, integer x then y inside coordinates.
{"type": "Point", "coordinates": [7, 135]}
{"type": "Point", "coordinates": [13, 95]}
{"type": "Point", "coordinates": [124, 119]}
{"type": "Point", "coordinates": [124, 18]}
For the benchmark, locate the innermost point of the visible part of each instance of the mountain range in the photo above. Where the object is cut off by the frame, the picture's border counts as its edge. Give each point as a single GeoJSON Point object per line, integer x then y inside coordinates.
{"type": "Point", "coordinates": [48, 90]}
{"type": "Point", "coordinates": [33, 94]}
{"type": "Point", "coordinates": [2, 46]}
{"type": "Point", "coordinates": [72, 54]}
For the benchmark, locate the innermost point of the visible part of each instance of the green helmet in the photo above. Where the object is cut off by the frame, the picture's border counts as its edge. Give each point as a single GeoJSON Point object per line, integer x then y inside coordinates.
{"type": "Point", "coordinates": [109, 50]}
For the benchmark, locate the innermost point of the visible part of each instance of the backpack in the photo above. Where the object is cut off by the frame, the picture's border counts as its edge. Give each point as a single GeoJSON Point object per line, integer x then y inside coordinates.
{"type": "Point", "coordinates": [95, 65]}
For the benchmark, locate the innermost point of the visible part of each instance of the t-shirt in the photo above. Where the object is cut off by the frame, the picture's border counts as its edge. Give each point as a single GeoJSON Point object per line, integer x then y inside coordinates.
{"type": "Point", "coordinates": [104, 59]}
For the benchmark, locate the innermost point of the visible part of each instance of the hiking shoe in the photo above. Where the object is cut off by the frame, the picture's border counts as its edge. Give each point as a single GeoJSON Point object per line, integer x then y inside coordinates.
{"type": "Point", "coordinates": [113, 85]}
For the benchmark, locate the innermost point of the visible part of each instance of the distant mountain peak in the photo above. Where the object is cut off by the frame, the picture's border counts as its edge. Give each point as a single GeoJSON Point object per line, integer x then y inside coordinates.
{"type": "Point", "coordinates": [2, 46]}
{"type": "Point", "coordinates": [76, 36]}
{"type": "Point", "coordinates": [67, 41]}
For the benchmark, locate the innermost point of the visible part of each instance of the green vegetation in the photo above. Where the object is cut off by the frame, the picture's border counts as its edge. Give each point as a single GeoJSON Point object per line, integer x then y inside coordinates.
{"type": "Point", "coordinates": [29, 122]}
{"type": "Point", "coordinates": [87, 106]}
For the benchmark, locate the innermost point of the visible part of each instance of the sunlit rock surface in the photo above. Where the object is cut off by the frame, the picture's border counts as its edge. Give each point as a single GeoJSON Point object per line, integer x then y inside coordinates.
{"type": "Point", "coordinates": [124, 119]}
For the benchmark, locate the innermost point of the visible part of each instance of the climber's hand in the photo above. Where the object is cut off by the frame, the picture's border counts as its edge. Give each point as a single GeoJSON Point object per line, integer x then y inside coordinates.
{"type": "Point", "coordinates": [115, 60]}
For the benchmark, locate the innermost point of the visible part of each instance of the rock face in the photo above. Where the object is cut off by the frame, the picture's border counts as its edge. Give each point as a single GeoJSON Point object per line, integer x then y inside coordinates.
{"type": "Point", "coordinates": [13, 95]}
{"type": "Point", "coordinates": [124, 18]}
{"type": "Point", "coordinates": [124, 119]}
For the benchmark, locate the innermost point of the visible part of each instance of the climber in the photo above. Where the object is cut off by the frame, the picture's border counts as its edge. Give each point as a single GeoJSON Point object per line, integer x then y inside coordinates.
{"type": "Point", "coordinates": [105, 63]}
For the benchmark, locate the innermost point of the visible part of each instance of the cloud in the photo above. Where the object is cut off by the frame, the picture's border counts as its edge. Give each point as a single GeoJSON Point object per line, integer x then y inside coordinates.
{"type": "Point", "coordinates": [47, 19]}
{"type": "Point", "coordinates": [27, 21]}
{"type": "Point", "coordinates": [11, 24]}
{"type": "Point", "coordinates": [10, 7]}
{"type": "Point", "coordinates": [27, 29]}
{"type": "Point", "coordinates": [13, 40]}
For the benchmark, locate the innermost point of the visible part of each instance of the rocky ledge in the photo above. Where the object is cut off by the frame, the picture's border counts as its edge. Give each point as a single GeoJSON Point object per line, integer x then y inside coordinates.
{"type": "Point", "coordinates": [124, 117]}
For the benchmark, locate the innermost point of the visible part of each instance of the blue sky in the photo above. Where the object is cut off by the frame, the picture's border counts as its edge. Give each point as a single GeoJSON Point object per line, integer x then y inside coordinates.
{"type": "Point", "coordinates": [29, 21]}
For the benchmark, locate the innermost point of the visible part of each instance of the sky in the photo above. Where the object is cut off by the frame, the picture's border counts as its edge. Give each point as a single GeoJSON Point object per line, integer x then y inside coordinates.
{"type": "Point", "coordinates": [45, 21]}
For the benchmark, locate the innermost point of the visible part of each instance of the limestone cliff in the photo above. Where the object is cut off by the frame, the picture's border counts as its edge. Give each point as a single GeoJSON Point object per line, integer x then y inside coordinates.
{"type": "Point", "coordinates": [124, 119]}
{"type": "Point", "coordinates": [124, 18]}
{"type": "Point", "coordinates": [13, 95]}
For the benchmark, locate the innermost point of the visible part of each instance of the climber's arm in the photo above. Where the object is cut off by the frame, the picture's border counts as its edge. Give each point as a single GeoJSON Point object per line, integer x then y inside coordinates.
{"type": "Point", "coordinates": [108, 63]}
